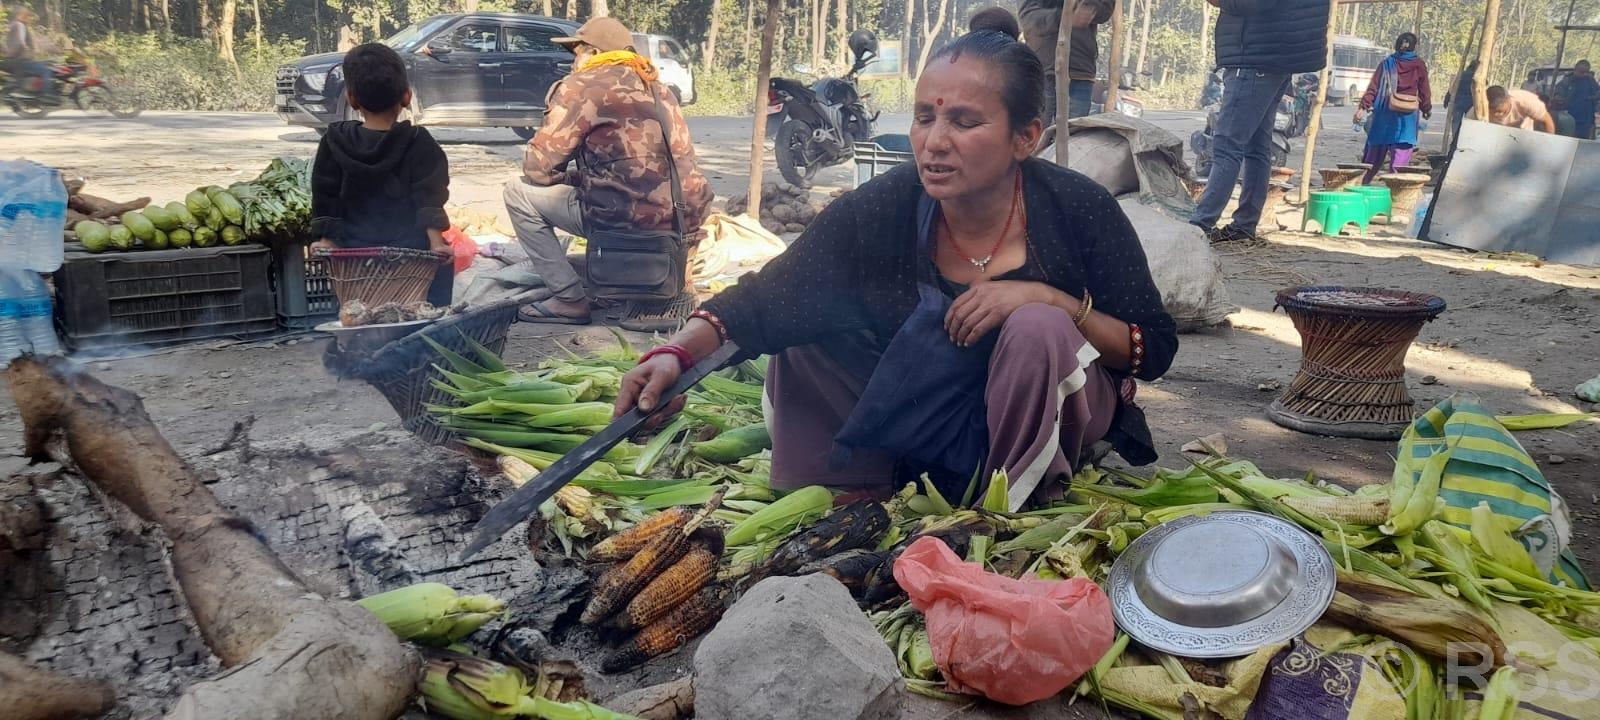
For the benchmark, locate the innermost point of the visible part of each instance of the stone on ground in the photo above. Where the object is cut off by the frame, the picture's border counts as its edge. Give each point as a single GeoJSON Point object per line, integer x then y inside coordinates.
{"type": "Point", "coordinates": [796, 648]}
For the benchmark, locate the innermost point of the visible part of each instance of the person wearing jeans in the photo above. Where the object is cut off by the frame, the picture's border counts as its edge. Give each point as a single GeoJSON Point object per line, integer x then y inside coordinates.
{"type": "Point", "coordinates": [1260, 45]}
{"type": "Point", "coordinates": [1041, 23]}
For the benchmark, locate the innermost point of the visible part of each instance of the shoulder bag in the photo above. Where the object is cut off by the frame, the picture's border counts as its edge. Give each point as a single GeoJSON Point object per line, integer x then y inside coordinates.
{"type": "Point", "coordinates": [642, 264]}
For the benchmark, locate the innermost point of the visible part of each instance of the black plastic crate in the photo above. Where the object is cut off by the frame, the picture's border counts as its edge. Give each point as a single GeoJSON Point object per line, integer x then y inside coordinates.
{"type": "Point", "coordinates": [164, 296]}
{"type": "Point", "coordinates": [304, 289]}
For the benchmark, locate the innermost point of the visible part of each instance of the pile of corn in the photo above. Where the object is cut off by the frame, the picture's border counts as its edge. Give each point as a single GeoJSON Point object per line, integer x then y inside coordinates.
{"type": "Point", "coordinates": [463, 687]}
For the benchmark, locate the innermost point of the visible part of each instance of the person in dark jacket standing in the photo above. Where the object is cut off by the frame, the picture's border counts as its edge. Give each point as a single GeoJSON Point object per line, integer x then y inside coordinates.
{"type": "Point", "coordinates": [1260, 45]}
{"type": "Point", "coordinates": [1041, 24]}
{"type": "Point", "coordinates": [377, 182]}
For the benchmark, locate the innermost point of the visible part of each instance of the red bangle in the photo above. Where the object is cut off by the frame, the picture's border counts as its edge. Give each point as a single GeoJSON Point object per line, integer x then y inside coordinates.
{"type": "Point", "coordinates": [685, 360]}
{"type": "Point", "coordinates": [1136, 353]}
{"type": "Point", "coordinates": [716, 323]}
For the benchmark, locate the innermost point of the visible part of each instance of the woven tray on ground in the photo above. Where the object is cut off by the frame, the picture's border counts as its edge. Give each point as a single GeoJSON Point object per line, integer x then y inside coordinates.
{"type": "Point", "coordinates": [403, 370]}
{"type": "Point", "coordinates": [381, 274]}
{"type": "Point", "coordinates": [1351, 381]}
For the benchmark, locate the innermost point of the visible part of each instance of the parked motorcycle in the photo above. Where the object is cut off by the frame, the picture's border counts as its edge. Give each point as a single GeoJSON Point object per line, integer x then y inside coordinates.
{"type": "Point", "coordinates": [818, 126]}
{"type": "Point", "coordinates": [1292, 118]}
{"type": "Point", "coordinates": [77, 81]}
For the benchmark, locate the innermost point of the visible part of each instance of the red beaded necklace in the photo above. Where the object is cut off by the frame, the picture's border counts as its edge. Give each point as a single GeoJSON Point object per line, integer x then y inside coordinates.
{"type": "Point", "coordinates": [983, 263]}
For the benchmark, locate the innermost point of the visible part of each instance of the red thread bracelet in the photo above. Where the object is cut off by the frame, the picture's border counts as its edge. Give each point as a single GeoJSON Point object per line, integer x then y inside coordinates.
{"type": "Point", "coordinates": [685, 360]}
{"type": "Point", "coordinates": [716, 323]}
{"type": "Point", "coordinates": [1136, 356]}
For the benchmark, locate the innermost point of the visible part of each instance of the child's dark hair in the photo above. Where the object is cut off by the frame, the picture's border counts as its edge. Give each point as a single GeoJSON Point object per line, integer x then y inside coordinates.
{"type": "Point", "coordinates": [375, 76]}
{"type": "Point", "coordinates": [1021, 73]}
{"type": "Point", "coordinates": [1406, 42]}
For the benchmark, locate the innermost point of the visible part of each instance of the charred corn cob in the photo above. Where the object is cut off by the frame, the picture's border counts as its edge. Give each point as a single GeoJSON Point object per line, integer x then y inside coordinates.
{"type": "Point", "coordinates": [857, 525]}
{"type": "Point", "coordinates": [1348, 510]}
{"type": "Point", "coordinates": [623, 545]}
{"type": "Point", "coordinates": [619, 584]}
{"type": "Point", "coordinates": [683, 624]}
{"type": "Point", "coordinates": [673, 586]}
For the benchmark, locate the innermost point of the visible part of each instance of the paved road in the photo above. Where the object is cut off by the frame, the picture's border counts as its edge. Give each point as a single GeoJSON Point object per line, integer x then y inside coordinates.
{"type": "Point", "coordinates": [164, 154]}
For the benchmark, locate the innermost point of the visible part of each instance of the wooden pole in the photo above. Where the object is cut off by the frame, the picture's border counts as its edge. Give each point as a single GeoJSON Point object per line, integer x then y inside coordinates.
{"type": "Point", "coordinates": [1064, 77]}
{"type": "Point", "coordinates": [1114, 73]}
{"type": "Point", "coordinates": [1416, 22]}
{"type": "Point", "coordinates": [758, 133]}
{"type": "Point", "coordinates": [1316, 111]}
{"type": "Point", "coordinates": [1480, 79]}
{"type": "Point", "coordinates": [1450, 127]}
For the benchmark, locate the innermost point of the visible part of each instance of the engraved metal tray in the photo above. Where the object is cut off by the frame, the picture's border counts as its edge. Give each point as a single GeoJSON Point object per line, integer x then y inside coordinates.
{"type": "Point", "coordinates": [1221, 585]}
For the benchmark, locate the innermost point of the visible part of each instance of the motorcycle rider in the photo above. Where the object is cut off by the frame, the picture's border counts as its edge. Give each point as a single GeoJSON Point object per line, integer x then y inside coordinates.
{"type": "Point", "coordinates": [23, 47]}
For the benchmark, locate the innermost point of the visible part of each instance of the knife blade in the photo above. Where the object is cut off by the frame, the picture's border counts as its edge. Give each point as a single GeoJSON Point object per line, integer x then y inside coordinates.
{"type": "Point", "coordinates": [526, 499]}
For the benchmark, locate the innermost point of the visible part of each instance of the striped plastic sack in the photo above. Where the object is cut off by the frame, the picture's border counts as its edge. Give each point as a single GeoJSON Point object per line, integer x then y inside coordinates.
{"type": "Point", "coordinates": [1487, 464]}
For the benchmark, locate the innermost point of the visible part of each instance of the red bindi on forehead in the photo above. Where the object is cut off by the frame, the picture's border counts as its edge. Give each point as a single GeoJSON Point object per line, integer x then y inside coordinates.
{"type": "Point", "coordinates": [938, 101]}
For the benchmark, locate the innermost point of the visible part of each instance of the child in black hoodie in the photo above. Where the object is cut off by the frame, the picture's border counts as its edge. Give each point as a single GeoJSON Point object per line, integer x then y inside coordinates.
{"type": "Point", "coordinates": [377, 182]}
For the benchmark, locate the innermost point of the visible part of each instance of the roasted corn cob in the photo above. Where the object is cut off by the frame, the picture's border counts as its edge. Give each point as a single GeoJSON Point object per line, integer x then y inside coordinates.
{"type": "Point", "coordinates": [675, 585]}
{"type": "Point", "coordinates": [857, 525]}
{"type": "Point", "coordinates": [683, 624]}
{"type": "Point", "coordinates": [623, 545]}
{"type": "Point", "coordinates": [619, 584]}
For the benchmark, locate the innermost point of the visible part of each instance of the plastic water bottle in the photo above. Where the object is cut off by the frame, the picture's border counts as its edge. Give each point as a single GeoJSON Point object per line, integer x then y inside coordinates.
{"type": "Point", "coordinates": [33, 215]}
{"type": "Point", "coordinates": [36, 319]}
{"type": "Point", "coordinates": [10, 331]}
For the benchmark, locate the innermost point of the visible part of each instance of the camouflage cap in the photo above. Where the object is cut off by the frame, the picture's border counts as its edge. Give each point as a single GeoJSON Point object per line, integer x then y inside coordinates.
{"type": "Point", "coordinates": [606, 33]}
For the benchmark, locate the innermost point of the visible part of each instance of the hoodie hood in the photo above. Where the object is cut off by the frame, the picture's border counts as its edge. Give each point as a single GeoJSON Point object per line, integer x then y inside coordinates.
{"type": "Point", "coordinates": [368, 153]}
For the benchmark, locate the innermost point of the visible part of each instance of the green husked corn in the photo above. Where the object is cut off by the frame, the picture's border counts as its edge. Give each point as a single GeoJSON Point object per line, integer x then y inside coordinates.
{"type": "Point", "coordinates": [658, 445]}
{"type": "Point", "coordinates": [734, 444]}
{"type": "Point", "coordinates": [577, 415]}
{"type": "Point", "coordinates": [599, 470]}
{"type": "Point", "coordinates": [783, 515]}
{"type": "Point", "coordinates": [540, 393]}
{"type": "Point", "coordinates": [456, 361]}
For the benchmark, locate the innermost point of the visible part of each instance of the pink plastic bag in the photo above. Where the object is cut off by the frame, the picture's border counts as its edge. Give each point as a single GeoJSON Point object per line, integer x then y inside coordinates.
{"type": "Point", "coordinates": [462, 247]}
{"type": "Point", "coordinates": [1012, 641]}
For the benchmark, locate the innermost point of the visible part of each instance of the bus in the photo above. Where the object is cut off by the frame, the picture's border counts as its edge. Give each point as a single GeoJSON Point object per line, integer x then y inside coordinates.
{"type": "Point", "coordinates": [1354, 59]}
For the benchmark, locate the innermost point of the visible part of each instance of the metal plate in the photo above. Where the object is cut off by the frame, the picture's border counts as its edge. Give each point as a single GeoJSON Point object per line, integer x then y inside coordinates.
{"type": "Point", "coordinates": [1235, 576]}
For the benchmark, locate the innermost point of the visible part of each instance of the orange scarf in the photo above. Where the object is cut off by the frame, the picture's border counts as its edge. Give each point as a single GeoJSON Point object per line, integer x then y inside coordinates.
{"type": "Point", "coordinates": [647, 71]}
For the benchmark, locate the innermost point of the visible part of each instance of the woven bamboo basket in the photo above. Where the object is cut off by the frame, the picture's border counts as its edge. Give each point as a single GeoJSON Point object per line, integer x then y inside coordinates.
{"type": "Point", "coordinates": [1337, 178]}
{"type": "Point", "coordinates": [382, 274]}
{"type": "Point", "coordinates": [404, 369]}
{"type": "Point", "coordinates": [1351, 381]}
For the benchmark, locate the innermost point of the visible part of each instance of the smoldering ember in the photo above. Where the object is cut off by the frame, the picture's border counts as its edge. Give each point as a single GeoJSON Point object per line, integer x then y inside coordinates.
{"type": "Point", "coordinates": [798, 360]}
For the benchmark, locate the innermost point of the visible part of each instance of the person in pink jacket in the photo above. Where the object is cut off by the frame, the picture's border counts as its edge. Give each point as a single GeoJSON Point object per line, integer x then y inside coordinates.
{"type": "Point", "coordinates": [1396, 95]}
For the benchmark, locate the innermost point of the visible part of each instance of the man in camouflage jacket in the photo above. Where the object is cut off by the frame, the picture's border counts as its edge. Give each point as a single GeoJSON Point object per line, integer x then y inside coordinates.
{"type": "Point", "coordinates": [599, 162]}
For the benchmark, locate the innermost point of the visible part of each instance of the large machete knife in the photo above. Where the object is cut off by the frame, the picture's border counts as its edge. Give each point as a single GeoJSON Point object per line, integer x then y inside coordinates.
{"type": "Point", "coordinates": [526, 499]}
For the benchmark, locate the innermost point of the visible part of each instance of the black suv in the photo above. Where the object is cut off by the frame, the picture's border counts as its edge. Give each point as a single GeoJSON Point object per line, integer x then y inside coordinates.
{"type": "Point", "coordinates": [466, 70]}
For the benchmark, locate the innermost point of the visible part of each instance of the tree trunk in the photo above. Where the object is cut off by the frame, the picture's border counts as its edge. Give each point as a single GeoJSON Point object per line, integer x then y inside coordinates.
{"type": "Point", "coordinates": [906, 70]}
{"type": "Point", "coordinates": [202, 18]}
{"type": "Point", "coordinates": [549, 7]}
{"type": "Point", "coordinates": [758, 129]}
{"type": "Point", "coordinates": [572, 9]}
{"type": "Point", "coordinates": [1114, 79]}
{"type": "Point", "coordinates": [230, 9]}
{"type": "Point", "coordinates": [599, 8]}
{"type": "Point", "coordinates": [841, 18]}
{"type": "Point", "coordinates": [255, 14]}
{"type": "Point", "coordinates": [711, 35]}
{"type": "Point", "coordinates": [818, 18]}
{"type": "Point", "coordinates": [1144, 36]}
{"type": "Point", "coordinates": [166, 16]}
{"type": "Point", "coordinates": [1134, 8]}
{"type": "Point", "coordinates": [928, 33]}
{"type": "Point", "coordinates": [749, 28]}
{"type": "Point", "coordinates": [1205, 34]}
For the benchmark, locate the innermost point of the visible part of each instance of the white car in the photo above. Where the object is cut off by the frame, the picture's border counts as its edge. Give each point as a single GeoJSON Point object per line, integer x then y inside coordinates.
{"type": "Point", "coordinates": [677, 69]}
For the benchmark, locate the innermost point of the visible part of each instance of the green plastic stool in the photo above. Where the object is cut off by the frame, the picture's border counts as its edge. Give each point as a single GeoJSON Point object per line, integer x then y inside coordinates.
{"type": "Point", "coordinates": [1378, 200]}
{"type": "Point", "coordinates": [1334, 209]}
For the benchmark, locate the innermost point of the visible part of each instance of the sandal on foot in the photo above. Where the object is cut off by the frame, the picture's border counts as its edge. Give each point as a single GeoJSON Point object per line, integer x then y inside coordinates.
{"type": "Point", "coordinates": [537, 312]}
{"type": "Point", "coordinates": [662, 316]}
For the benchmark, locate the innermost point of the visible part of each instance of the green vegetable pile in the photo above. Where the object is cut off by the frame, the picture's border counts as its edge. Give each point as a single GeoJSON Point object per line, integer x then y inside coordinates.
{"type": "Point", "coordinates": [275, 205]}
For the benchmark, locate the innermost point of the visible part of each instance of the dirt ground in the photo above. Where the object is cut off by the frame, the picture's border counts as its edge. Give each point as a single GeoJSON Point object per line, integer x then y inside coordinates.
{"type": "Point", "coordinates": [1519, 334]}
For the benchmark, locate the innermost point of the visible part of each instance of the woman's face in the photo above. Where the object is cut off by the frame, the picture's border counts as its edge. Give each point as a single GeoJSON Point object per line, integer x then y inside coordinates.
{"type": "Point", "coordinates": [960, 131]}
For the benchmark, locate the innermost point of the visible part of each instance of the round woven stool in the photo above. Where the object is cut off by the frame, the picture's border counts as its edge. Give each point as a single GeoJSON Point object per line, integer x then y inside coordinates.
{"type": "Point", "coordinates": [1405, 189]}
{"type": "Point", "coordinates": [1351, 381]}
{"type": "Point", "coordinates": [1337, 178]}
